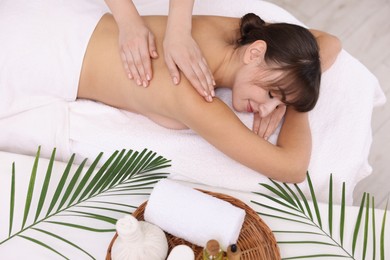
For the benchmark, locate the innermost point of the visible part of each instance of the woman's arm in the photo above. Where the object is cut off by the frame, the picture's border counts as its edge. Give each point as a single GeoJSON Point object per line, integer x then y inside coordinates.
{"type": "Point", "coordinates": [287, 161]}
{"type": "Point", "coordinates": [329, 45]}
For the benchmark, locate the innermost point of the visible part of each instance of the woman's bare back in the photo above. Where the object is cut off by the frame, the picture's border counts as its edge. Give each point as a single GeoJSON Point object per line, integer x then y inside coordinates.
{"type": "Point", "coordinates": [103, 78]}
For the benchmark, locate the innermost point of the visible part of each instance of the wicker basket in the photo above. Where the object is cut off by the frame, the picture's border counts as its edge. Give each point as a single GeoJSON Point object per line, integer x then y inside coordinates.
{"type": "Point", "coordinates": [256, 240]}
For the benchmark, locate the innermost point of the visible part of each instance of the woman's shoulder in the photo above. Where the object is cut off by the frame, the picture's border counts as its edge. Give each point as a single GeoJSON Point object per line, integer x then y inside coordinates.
{"type": "Point", "coordinates": [219, 23]}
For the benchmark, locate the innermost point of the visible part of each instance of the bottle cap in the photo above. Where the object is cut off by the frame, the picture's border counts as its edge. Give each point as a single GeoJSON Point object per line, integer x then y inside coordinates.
{"type": "Point", "coordinates": [212, 247]}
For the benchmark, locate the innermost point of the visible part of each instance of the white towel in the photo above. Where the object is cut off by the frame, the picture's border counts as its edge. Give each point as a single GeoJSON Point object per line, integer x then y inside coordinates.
{"type": "Point", "coordinates": [193, 215]}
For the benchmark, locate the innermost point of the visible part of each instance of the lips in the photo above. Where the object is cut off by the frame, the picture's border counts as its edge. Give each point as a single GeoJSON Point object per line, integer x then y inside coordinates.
{"type": "Point", "coordinates": [249, 107]}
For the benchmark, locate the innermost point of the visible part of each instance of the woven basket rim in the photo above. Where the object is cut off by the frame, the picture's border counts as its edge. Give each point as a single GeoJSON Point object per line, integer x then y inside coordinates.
{"type": "Point", "coordinates": [256, 240]}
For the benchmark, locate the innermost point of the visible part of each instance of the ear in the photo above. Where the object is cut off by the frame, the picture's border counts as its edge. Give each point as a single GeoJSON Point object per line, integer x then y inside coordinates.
{"type": "Point", "coordinates": [255, 52]}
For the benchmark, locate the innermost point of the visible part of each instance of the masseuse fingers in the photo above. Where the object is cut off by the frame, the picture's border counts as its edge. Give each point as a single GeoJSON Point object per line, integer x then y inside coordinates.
{"type": "Point", "coordinates": [136, 66]}
{"type": "Point", "coordinates": [126, 65]}
{"type": "Point", "coordinates": [199, 79]}
{"type": "Point", "coordinates": [173, 70]}
{"type": "Point", "coordinates": [208, 75]}
{"type": "Point", "coordinates": [133, 69]}
{"type": "Point", "coordinates": [145, 65]}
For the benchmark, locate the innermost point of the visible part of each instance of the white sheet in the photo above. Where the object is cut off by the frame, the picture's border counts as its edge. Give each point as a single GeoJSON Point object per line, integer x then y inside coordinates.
{"type": "Point", "coordinates": [42, 51]}
{"type": "Point", "coordinates": [340, 123]}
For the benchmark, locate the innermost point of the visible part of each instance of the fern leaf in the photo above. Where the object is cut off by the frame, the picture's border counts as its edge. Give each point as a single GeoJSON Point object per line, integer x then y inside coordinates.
{"type": "Point", "coordinates": [308, 210]}
{"type": "Point", "coordinates": [357, 225]}
{"type": "Point", "coordinates": [298, 202]}
{"type": "Point", "coordinates": [342, 214]}
{"type": "Point", "coordinates": [45, 185]}
{"type": "Point", "coordinates": [365, 240]}
{"type": "Point", "coordinates": [302, 215]}
{"type": "Point", "coordinates": [71, 185]}
{"type": "Point", "coordinates": [64, 240]}
{"type": "Point", "coordinates": [330, 205]}
{"type": "Point", "coordinates": [12, 201]}
{"type": "Point", "coordinates": [86, 177]}
{"type": "Point", "coordinates": [383, 234]}
{"type": "Point", "coordinates": [60, 185]}
{"type": "Point", "coordinates": [98, 230]}
{"type": "Point", "coordinates": [286, 195]}
{"type": "Point", "coordinates": [30, 190]}
{"type": "Point", "coordinates": [279, 193]}
{"type": "Point", "coordinates": [43, 244]}
{"type": "Point", "coordinates": [136, 171]}
{"type": "Point", "coordinates": [373, 229]}
{"type": "Point", "coordinates": [98, 175]}
{"type": "Point", "coordinates": [276, 200]}
{"type": "Point", "coordinates": [314, 200]}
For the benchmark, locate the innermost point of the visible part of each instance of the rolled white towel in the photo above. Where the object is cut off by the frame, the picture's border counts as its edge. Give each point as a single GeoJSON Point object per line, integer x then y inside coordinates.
{"type": "Point", "coordinates": [193, 215]}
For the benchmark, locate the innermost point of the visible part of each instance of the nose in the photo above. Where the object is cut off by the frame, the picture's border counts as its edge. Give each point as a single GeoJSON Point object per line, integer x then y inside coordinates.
{"type": "Point", "coordinates": [266, 108]}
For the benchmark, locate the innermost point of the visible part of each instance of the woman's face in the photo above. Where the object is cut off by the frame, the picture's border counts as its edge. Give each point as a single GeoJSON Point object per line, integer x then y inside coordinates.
{"type": "Point", "coordinates": [250, 97]}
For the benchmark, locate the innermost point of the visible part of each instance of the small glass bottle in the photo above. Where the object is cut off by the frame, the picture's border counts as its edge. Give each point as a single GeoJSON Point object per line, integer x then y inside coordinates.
{"type": "Point", "coordinates": [233, 252]}
{"type": "Point", "coordinates": [212, 251]}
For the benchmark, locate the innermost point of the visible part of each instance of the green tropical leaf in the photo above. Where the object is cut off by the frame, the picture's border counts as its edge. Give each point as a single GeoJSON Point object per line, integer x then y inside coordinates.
{"type": "Point", "coordinates": [357, 225]}
{"type": "Point", "coordinates": [45, 185]}
{"type": "Point", "coordinates": [383, 234]}
{"type": "Point", "coordinates": [330, 205]}
{"type": "Point", "coordinates": [365, 240]}
{"type": "Point", "coordinates": [303, 197]}
{"type": "Point", "coordinates": [42, 244]}
{"type": "Point", "coordinates": [30, 190]}
{"type": "Point", "coordinates": [298, 202]}
{"type": "Point", "coordinates": [80, 190]}
{"type": "Point", "coordinates": [62, 239]}
{"type": "Point", "coordinates": [314, 199]}
{"type": "Point", "coordinates": [60, 185]}
{"type": "Point", "coordinates": [342, 215]}
{"type": "Point", "coordinates": [12, 201]}
{"type": "Point", "coordinates": [373, 229]}
{"type": "Point", "coordinates": [293, 206]}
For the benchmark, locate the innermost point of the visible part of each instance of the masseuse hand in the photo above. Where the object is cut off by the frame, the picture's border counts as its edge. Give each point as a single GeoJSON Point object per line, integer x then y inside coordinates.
{"type": "Point", "coordinates": [137, 47]}
{"type": "Point", "coordinates": [265, 126]}
{"type": "Point", "coordinates": [182, 52]}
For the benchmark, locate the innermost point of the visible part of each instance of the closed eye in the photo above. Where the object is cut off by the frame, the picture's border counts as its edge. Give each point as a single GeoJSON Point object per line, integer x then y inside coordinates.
{"type": "Point", "coordinates": [270, 94]}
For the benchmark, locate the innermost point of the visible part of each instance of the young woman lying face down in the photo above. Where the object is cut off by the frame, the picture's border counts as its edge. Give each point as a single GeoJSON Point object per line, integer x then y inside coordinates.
{"type": "Point", "coordinates": [265, 65]}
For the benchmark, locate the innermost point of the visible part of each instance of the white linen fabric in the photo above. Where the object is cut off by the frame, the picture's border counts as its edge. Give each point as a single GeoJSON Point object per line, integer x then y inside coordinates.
{"type": "Point", "coordinates": [341, 122]}
{"type": "Point", "coordinates": [42, 49]}
{"type": "Point", "coordinates": [193, 215]}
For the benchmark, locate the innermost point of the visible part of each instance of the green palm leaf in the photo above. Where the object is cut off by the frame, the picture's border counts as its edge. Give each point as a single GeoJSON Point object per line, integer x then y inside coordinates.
{"type": "Point", "coordinates": [330, 205]}
{"type": "Point", "coordinates": [31, 188]}
{"type": "Point", "coordinates": [80, 190]}
{"type": "Point", "coordinates": [293, 206]}
{"type": "Point", "coordinates": [12, 201]}
{"type": "Point", "coordinates": [383, 234]}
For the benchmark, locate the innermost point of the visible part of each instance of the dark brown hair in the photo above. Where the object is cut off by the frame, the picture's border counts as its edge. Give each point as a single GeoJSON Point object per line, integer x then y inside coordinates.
{"type": "Point", "coordinates": [294, 50]}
